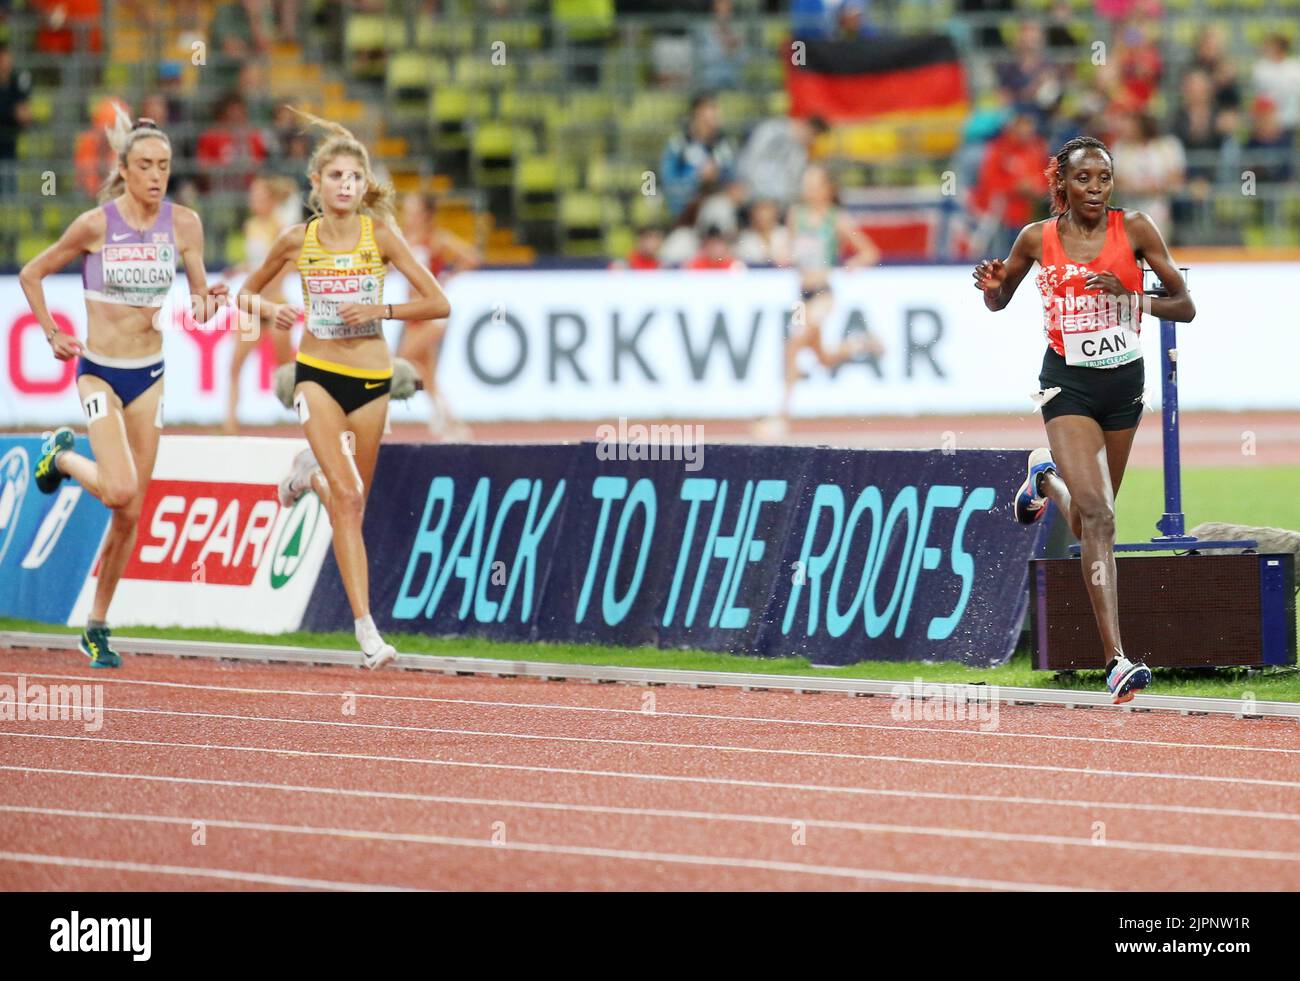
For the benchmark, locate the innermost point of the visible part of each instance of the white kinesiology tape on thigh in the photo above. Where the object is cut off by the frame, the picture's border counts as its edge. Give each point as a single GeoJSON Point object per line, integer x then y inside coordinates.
{"type": "Point", "coordinates": [157, 416]}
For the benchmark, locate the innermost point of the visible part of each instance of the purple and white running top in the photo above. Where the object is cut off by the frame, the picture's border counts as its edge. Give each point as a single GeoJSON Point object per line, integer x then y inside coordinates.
{"type": "Point", "coordinates": [133, 268]}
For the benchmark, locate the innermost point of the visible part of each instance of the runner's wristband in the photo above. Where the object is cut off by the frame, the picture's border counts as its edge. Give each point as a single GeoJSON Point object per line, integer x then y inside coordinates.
{"type": "Point", "coordinates": [390, 312]}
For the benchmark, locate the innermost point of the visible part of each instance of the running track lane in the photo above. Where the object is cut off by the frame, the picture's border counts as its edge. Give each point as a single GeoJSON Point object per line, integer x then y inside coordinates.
{"type": "Point", "coordinates": [334, 778]}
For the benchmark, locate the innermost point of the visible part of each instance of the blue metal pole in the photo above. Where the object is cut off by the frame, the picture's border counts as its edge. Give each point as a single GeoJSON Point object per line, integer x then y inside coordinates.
{"type": "Point", "coordinates": [1172, 523]}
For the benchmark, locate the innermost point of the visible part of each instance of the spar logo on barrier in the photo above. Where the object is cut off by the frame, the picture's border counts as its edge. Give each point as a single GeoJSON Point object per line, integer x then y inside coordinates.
{"type": "Point", "coordinates": [15, 475]}
{"type": "Point", "coordinates": [291, 544]}
{"type": "Point", "coordinates": [203, 532]}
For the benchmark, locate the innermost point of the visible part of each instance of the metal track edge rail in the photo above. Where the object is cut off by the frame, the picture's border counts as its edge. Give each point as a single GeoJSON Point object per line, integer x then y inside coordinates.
{"type": "Point", "coordinates": [500, 667]}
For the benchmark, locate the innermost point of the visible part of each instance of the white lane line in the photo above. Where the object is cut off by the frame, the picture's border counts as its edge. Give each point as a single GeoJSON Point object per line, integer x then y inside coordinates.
{"type": "Point", "coordinates": [712, 748]}
{"type": "Point", "coordinates": [588, 851]}
{"type": "Point", "coordinates": [226, 874]}
{"type": "Point", "coordinates": [676, 778]}
{"type": "Point", "coordinates": [1171, 848]}
{"type": "Point", "coordinates": [910, 728]}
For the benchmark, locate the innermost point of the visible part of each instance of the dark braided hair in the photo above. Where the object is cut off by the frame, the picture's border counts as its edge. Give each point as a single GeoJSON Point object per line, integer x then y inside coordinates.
{"type": "Point", "coordinates": [1056, 166]}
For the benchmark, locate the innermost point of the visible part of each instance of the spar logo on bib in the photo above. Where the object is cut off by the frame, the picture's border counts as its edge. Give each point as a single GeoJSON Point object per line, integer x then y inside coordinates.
{"type": "Point", "coordinates": [203, 532]}
{"type": "Point", "coordinates": [295, 535]}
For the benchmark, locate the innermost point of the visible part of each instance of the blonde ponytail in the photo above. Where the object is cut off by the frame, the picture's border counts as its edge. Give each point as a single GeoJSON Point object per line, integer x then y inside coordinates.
{"type": "Point", "coordinates": [122, 134]}
{"type": "Point", "coordinates": [378, 201]}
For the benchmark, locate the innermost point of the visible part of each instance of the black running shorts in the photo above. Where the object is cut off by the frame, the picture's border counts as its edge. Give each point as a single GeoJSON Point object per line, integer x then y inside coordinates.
{"type": "Point", "coordinates": [1111, 396]}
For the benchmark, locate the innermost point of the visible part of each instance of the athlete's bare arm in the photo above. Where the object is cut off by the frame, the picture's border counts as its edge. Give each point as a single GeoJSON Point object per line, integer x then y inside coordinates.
{"type": "Point", "coordinates": [432, 302]}
{"type": "Point", "coordinates": [1149, 244]}
{"type": "Point", "coordinates": [287, 246]}
{"type": "Point", "coordinates": [189, 242]}
{"type": "Point", "coordinates": [999, 279]}
{"type": "Point", "coordinates": [865, 252]}
{"type": "Point", "coordinates": [85, 232]}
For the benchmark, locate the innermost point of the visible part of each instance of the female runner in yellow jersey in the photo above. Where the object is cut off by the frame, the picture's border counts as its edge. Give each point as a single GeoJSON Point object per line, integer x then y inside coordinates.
{"type": "Point", "coordinates": [344, 370]}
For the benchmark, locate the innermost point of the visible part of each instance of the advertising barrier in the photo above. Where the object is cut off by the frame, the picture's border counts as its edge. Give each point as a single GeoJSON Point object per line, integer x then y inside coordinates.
{"type": "Point", "coordinates": [838, 555]}
{"type": "Point", "coordinates": [214, 547]}
{"type": "Point", "coordinates": [529, 345]}
{"type": "Point", "coordinates": [47, 542]}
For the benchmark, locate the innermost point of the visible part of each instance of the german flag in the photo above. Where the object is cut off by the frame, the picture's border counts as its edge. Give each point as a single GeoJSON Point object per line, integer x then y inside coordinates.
{"type": "Point", "coordinates": [855, 80]}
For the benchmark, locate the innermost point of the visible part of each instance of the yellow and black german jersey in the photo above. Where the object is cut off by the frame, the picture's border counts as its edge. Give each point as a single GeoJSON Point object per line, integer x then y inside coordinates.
{"type": "Point", "coordinates": [331, 279]}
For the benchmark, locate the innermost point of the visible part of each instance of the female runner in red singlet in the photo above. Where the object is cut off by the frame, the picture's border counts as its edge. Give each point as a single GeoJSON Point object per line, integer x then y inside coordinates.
{"type": "Point", "coordinates": [1092, 375]}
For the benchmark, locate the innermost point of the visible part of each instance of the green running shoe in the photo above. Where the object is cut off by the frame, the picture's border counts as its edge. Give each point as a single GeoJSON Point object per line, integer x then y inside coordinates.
{"type": "Point", "coordinates": [48, 476]}
{"type": "Point", "coordinates": [94, 644]}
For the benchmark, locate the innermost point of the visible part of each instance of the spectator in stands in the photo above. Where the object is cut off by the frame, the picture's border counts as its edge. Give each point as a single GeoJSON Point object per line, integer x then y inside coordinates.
{"type": "Point", "coordinates": [720, 49]}
{"type": "Point", "coordinates": [1149, 168]}
{"type": "Point", "coordinates": [252, 85]}
{"type": "Point", "coordinates": [697, 160]}
{"type": "Point", "coordinates": [987, 35]}
{"type": "Point", "coordinates": [1132, 75]}
{"type": "Point", "coordinates": [775, 155]}
{"type": "Point", "coordinates": [15, 114]}
{"type": "Point", "coordinates": [231, 146]}
{"type": "Point", "coordinates": [812, 20]}
{"type": "Point", "coordinates": [93, 156]}
{"type": "Point", "coordinates": [851, 21]}
{"type": "Point", "coordinates": [1011, 186]}
{"type": "Point", "coordinates": [766, 242]}
{"type": "Point", "coordinates": [240, 29]}
{"type": "Point", "coordinates": [645, 252]}
{"type": "Point", "coordinates": [1212, 58]}
{"type": "Point", "coordinates": [1277, 77]}
{"type": "Point", "coordinates": [586, 26]}
{"type": "Point", "coordinates": [1197, 128]}
{"type": "Point", "coordinates": [1267, 134]}
{"type": "Point", "coordinates": [715, 253]}
{"type": "Point", "coordinates": [68, 25]}
{"type": "Point", "coordinates": [1026, 74]}
{"type": "Point", "coordinates": [722, 208]}
{"type": "Point", "coordinates": [172, 87]}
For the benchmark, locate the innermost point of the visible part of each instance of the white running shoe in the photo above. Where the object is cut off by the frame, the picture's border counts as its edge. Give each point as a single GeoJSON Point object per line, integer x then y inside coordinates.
{"type": "Point", "coordinates": [375, 652]}
{"type": "Point", "coordinates": [298, 482]}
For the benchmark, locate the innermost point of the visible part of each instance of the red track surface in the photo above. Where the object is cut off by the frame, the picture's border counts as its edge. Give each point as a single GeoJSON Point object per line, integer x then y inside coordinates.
{"type": "Point", "coordinates": [212, 775]}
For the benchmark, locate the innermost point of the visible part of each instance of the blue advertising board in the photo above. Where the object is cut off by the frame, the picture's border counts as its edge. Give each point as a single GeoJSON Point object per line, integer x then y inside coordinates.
{"type": "Point", "coordinates": [833, 554]}
{"type": "Point", "coordinates": [47, 543]}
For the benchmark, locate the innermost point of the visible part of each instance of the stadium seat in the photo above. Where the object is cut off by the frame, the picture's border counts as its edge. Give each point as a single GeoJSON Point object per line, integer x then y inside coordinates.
{"type": "Point", "coordinates": [649, 209]}
{"type": "Point", "coordinates": [523, 34]}
{"type": "Point", "coordinates": [450, 107]}
{"type": "Point", "coordinates": [492, 155]}
{"type": "Point", "coordinates": [476, 69]}
{"type": "Point", "coordinates": [364, 32]}
{"type": "Point", "coordinates": [537, 182]}
{"type": "Point", "coordinates": [619, 241]}
{"type": "Point", "coordinates": [437, 34]}
{"type": "Point", "coordinates": [410, 74]}
{"type": "Point", "coordinates": [524, 105]}
{"type": "Point", "coordinates": [30, 246]}
{"type": "Point", "coordinates": [581, 224]}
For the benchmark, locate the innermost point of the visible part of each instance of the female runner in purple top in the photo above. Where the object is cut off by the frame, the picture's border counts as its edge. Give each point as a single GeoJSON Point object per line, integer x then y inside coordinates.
{"type": "Point", "coordinates": [131, 244]}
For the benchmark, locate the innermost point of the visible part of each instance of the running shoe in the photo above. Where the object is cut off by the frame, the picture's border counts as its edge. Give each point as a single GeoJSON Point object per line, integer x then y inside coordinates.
{"type": "Point", "coordinates": [1030, 505]}
{"type": "Point", "coordinates": [94, 644]}
{"type": "Point", "coordinates": [375, 652]}
{"type": "Point", "coordinates": [1124, 679]}
{"type": "Point", "coordinates": [298, 482]}
{"type": "Point", "coordinates": [48, 475]}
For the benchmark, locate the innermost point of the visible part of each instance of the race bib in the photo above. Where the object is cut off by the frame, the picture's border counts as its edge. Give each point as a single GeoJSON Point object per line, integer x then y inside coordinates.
{"type": "Point", "coordinates": [139, 275]}
{"type": "Point", "coordinates": [1101, 347]}
{"type": "Point", "coordinates": [326, 294]}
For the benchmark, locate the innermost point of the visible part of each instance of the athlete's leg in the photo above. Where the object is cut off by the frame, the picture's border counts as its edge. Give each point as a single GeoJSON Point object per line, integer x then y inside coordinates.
{"type": "Point", "coordinates": [244, 346]}
{"type": "Point", "coordinates": [339, 485]}
{"type": "Point", "coordinates": [139, 421]}
{"type": "Point", "coordinates": [111, 475]}
{"type": "Point", "coordinates": [1082, 489]}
